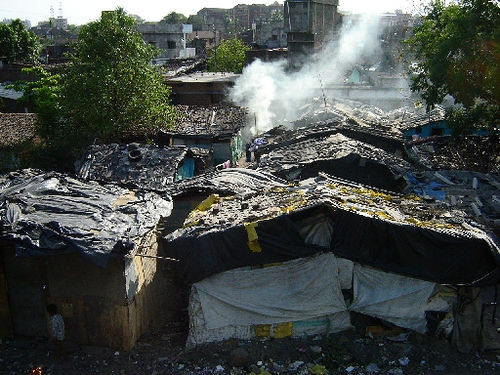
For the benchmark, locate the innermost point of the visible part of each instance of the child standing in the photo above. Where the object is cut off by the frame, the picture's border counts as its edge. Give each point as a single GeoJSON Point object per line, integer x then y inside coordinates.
{"type": "Point", "coordinates": [56, 330]}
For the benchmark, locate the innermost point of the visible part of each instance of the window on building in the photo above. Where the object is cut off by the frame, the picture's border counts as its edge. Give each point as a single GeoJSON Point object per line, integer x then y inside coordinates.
{"type": "Point", "coordinates": [171, 44]}
{"type": "Point", "coordinates": [274, 37]}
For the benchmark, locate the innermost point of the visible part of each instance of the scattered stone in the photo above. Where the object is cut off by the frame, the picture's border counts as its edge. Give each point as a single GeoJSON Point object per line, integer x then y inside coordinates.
{"type": "Point", "coordinates": [404, 361]}
{"type": "Point", "coordinates": [259, 363]}
{"type": "Point", "coordinates": [395, 371]}
{"type": "Point", "coordinates": [350, 369]}
{"type": "Point", "coordinates": [219, 368]}
{"type": "Point", "coordinates": [180, 367]}
{"type": "Point", "coordinates": [295, 365]}
{"type": "Point", "coordinates": [372, 367]}
{"type": "Point", "coordinates": [117, 353]}
{"type": "Point", "coordinates": [238, 357]}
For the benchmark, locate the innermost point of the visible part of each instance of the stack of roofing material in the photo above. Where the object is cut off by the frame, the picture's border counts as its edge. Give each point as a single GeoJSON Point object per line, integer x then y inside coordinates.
{"type": "Point", "coordinates": [398, 248]}
{"type": "Point", "coordinates": [52, 213]}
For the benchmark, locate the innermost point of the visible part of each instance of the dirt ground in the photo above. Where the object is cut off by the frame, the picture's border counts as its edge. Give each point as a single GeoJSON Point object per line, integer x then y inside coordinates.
{"type": "Point", "coordinates": [342, 353]}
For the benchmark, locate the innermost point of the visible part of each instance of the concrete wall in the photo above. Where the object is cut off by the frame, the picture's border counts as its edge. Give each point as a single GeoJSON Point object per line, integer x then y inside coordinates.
{"type": "Point", "coordinates": [166, 37]}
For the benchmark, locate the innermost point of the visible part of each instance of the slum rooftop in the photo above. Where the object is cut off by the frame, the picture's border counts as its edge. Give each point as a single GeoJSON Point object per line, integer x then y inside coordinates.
{"type": "Point", "coordinates": [52, 213]}
{"type": "Point", "coordinates": [402, 234]}
{"type": "Point", "coordinates": [229, 181]}
{"type": "Point", "coordinates": [176, 67]}
{"type": "Point", "coordinates": [133, 165]}
{"type": "Point", "coordinates": [16, 128]}
{"type": "Point", "coordinates": [205, 77]}
{"type": "Point", "coordinates": [213, 121]}
{"type": "Point", "coordinates": [277, 200]}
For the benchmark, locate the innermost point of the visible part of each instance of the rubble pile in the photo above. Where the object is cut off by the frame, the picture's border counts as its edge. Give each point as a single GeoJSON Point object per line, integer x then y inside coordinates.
{"type": "Point", "coordinates": [472, 153]}
{"type": "Point", "coordinates": [16, 127]}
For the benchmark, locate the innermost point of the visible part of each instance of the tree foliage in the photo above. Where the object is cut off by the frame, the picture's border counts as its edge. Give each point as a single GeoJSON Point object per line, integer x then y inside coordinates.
{"type": "Point", "coordinates": [17, 43]}
{"type": "Point", "coordinates": [174, 17]}
{"type": "Point", "coordinates": [196, 21]}
{"type": "Point", "coordinates": [229, 56]}
{"type": "Point", "coordinates": [44, 92]}
{"type": "Point", "coordinates": [110, 86]}
{"type": "Point", "coordinates": [457, 47]}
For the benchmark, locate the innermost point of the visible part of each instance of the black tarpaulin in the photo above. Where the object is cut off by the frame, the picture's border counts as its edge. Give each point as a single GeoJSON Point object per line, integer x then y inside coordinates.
{"type": "Point", "coordinates": [214, 252]}
{"type": "Point", "coordinates": [51, 213]}
{"type": "Point", "coordinates": [413, 251]}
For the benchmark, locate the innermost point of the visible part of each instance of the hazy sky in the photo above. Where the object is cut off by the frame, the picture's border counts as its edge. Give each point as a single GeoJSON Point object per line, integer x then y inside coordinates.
{"type": "Point", "coordinates": [83, 11]}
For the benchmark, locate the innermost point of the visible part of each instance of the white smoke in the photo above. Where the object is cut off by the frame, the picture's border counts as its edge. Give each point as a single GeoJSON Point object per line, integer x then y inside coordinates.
{"type": "Point", "coordinates": [276, 95]}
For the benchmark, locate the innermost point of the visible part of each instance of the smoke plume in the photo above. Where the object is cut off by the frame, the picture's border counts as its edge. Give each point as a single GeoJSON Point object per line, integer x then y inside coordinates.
{"type": "Point", "coordinates": [275, 94]}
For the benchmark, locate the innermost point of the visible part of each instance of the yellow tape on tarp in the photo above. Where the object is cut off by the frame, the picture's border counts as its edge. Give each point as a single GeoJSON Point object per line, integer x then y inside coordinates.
{"type": "Point", "coordinates": [208, 202]}
{"type": "Point", "coordinates": [281, 330]}
{"type": "Point", "coordinates": [253, 238]}
{"type": "Point", "coordinates": [262, 330]}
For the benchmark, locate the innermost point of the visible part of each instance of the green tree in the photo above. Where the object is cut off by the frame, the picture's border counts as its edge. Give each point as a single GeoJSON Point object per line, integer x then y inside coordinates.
{"type": "Point", "coordinates": [174, 17]}
{"type": "Point", "coordinates": [44, 93]}
{"type": "Point", "coordinates": [17, 43]}
{"type": "Point", "coordinates": [229, 56]}
{"type": "Point", "coordinates": [110, 86]}
{"type": "Point", "coordinates": [457, 48]}
{"type": "Point", "coordinates": [196, 21]}
{"type": "Point", "coordinates": [276, 16]}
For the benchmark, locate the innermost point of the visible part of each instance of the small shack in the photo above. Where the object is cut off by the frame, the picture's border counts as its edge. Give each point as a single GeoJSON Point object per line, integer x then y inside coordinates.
{"type": "Point", "coordinates": [91, 249]}
{"type": "Point", "coordinates": [142, 166]}
{"type": "Point", "coordinates": [210, 127]}
{"type": "Point", "coordinates": [301, 259]}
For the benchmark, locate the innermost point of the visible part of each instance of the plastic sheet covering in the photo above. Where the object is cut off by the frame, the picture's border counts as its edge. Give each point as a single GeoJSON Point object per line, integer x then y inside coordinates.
{"type": "Point", "coordinates": [255, 295]}
{"type": "Point", "coordinates": [396, 299]}
{"type": "Point", "coordinates": [297, 290]}
{"type": "Point", "coordinates": [51, 213]}
{"type": "Point", "coordinates": [141, 166]}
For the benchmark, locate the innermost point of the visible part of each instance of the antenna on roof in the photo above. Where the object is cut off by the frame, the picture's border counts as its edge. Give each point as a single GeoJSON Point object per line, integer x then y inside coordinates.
{"type": "Point", "coordinates": [51, 11]}
{"type": "Point", "coordinates": [60, 10]}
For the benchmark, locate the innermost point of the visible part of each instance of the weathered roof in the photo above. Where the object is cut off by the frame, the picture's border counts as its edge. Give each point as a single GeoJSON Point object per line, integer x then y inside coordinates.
{"type": "Point", "coordinates": [473, 153]}
{"type": "Point", "coordinates": [309, 150]}
{"type": "Point", "coordinates": [406, 210]}
{"type": "Point", "coordinates": [205, 77]}
{"type": "Point", "coordinates": [134, 165]}
{"type": "Point", "coordinates": [208, 121]}
{"type": "Point", "coordinates": [176, 67]}
{"type": "Point", "coordinates": [51, 213]}
{"type": "Point", "coordinates": [401, 234]}
{"type": "Point", "coordinates": [16, 128]}
{"type": "Point", "coordinates": [227, 182]}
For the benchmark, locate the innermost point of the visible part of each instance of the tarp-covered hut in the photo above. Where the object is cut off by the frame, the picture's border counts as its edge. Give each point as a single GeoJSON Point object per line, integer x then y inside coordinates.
{"type": "Point", "coordinates": [88, 248]}
{"type": "Point", "coordinates": [393, 254]}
